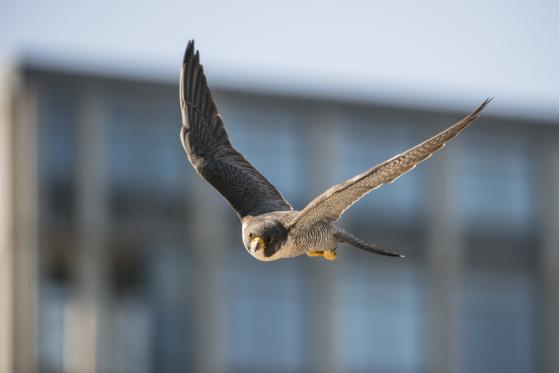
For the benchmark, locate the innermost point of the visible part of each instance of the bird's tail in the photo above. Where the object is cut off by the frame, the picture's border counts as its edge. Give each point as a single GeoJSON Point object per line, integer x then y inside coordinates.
{"type": "Point", "coordinates": [343, 236]}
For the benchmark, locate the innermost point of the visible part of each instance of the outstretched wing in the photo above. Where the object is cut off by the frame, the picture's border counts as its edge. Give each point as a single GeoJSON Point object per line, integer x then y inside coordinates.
{"type": "Point", "coordinates": [330, 205]}
{"type": "Point", "coordinates": [208, 148]}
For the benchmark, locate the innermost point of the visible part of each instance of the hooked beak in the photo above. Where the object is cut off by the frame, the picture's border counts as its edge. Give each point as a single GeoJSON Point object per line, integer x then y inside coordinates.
{"type": "Point", "coordinates": [256, 244]}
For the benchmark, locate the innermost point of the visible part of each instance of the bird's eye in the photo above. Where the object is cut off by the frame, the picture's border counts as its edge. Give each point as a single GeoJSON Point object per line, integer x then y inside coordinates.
{"type": "Point", "coordinates": [269, 239]}
{"type": "Point", "coordinates": [251, 236]}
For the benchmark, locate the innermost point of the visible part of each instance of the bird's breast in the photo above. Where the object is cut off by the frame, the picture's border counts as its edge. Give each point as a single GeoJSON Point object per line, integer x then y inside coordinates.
{"type": "Point", "coordinates": [318, 236]}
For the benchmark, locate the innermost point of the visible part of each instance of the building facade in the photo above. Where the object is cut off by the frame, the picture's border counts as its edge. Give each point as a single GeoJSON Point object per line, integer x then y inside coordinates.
{"type": "Point", "coordinates": [110, 265]}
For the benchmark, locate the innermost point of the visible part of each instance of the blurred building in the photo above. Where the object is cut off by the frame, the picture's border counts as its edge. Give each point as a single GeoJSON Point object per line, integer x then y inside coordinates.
{"type": "Point", "coordinates": [117, 257]}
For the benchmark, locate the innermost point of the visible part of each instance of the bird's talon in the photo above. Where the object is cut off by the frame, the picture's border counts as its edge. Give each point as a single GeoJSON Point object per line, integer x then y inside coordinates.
{"type": "Point", "coordinates": [330, 255]}
{"type": "Point", "coordinates": [315, 253]}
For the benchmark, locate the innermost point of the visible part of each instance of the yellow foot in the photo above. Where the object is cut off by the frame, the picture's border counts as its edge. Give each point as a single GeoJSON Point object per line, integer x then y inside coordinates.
{"type": "Point", "coordinates": [315, 253]}
{"type": "Point", "coordinates": [329, 255]}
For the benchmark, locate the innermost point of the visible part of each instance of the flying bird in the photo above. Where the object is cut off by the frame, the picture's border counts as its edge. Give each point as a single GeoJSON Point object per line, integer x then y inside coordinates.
{"type": "Point", "coordinates": [271, 228]}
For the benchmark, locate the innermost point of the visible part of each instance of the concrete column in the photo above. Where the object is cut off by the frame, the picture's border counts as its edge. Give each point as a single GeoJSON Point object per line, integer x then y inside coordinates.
{"type": "Point", "coordinates": [322, 142]}
{"type": "Point", "coordinates": [25, 230]}
{"type": "Point", "coordinates": [207, 239]}
{"type": "Point", "coordinates": [6, 221]}
{"type": "Point", "coordinates": [444, 262]}
{"type": "Point", "coordinates": [85, 311]}
{"type": "Point", "coordinates": [549, 202]}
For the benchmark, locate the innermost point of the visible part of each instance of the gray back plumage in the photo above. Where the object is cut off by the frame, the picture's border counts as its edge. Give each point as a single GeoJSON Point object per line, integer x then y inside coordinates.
{"type": "Point", "coordinates": [209, 150]}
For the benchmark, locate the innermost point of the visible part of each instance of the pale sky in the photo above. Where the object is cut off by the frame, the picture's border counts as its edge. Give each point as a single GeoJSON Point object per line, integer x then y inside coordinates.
{"type": "Point", "coordinates": [420, 53]}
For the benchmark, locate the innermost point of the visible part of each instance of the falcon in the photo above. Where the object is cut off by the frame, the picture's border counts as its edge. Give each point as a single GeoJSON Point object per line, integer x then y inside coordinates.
{"type": "Point", "coordinates": [271, 228]}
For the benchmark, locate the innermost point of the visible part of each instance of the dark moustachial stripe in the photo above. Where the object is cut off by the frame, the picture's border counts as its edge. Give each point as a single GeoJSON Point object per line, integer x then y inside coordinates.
{"type": "Point", "coordinates": [269, 251]}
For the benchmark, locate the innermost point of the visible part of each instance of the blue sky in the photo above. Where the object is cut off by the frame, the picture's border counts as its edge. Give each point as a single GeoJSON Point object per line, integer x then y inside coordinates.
{"type": "Point", "coordinates": [428, 53]}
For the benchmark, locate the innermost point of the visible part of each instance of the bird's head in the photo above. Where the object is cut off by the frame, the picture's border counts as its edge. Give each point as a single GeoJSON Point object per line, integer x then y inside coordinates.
{"type": "Point", "coordinates": [263, 238]}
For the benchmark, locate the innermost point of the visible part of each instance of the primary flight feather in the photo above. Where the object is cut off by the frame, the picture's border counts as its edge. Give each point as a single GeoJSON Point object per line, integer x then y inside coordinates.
{"type": "Point", "coordinates": [271, 229]}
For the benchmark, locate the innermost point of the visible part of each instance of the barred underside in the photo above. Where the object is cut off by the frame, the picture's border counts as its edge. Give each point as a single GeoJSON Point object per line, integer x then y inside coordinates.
{"type": "Point", "coordinates": [330, 205]}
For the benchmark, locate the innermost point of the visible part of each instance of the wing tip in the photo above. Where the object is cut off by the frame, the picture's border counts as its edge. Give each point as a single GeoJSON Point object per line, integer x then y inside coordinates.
{"type": "Point", "coordinates": [188, 52]}
{"type": "Point", "coordinates": [191, 60]}
{"type": "Point", "coordinates": [482, 106]}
